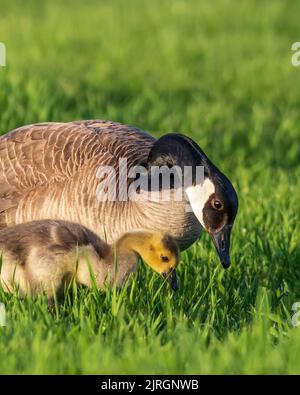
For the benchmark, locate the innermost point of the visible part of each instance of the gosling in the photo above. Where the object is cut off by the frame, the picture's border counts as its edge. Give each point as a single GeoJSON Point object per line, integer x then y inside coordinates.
{"type": "Point", "coordinates": [47, 255]}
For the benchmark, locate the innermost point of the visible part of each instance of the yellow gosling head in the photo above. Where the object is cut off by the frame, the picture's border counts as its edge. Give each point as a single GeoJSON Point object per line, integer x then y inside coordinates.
{"type": "Point", "coordinates": [159, 250]}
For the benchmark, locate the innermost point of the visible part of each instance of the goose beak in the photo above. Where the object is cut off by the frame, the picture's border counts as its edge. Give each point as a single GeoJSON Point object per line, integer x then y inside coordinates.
{"type": "Point", "coordinates": [221, 241]}
{"type": "Point", "coordinates": [171, 278]}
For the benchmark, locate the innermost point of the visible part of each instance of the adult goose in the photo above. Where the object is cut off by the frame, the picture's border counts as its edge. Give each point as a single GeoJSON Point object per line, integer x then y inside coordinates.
{"type": "Point", "coordinates": [51, 171]}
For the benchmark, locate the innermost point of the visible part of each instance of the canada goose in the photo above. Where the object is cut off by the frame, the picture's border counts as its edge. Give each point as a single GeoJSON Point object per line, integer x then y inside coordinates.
{"type": "Point", "coordinates": [50, 171]}
{"type": "Point", "coordinates": [46, 255]}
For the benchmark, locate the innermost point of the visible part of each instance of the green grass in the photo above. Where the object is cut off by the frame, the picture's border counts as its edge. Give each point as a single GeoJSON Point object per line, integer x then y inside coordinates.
{"type": "Point", "coordinates": [220, 72]}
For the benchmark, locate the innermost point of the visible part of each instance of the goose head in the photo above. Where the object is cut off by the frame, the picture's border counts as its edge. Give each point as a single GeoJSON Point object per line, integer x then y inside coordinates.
{"type": "Point", "coordinates": [159, 250]}
{"type": "Point", "coordinates": [212, 197]}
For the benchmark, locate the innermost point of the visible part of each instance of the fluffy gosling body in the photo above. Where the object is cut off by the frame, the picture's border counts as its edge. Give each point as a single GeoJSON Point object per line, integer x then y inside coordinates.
{"type": "Point", "coordinates": [45, 256]}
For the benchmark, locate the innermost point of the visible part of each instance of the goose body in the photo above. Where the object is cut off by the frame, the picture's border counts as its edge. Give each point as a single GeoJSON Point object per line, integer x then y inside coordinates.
{"type": "Point", "coordinates": [47, 255]}
{"type": "Point", "coordinates": [51, 171]}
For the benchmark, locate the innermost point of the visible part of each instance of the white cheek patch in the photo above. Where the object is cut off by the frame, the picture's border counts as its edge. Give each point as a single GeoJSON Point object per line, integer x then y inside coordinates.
{"type": "Point", "coordinates": [198, 195]}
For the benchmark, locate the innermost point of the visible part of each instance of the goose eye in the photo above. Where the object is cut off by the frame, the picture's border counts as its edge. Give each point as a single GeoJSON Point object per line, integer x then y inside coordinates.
{"type": "Point", "coordinates": [217, 204]}
{"type": "Point", "coordinates": [164, 258]}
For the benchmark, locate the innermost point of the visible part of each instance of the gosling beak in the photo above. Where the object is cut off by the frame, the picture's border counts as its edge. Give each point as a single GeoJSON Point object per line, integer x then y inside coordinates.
{"type": "Point", "coordinates": [221, 241]}
{"type": "Point", "coordinates": [171, 277]}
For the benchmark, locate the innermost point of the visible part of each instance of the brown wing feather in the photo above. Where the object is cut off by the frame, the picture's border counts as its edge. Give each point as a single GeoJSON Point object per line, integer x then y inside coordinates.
{"type": "Point", "coordinates": [36, 156]}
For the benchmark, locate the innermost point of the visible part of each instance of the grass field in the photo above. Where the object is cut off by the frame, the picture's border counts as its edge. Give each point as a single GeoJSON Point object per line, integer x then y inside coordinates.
{"type": "Point", "coordinates": [220, 72]}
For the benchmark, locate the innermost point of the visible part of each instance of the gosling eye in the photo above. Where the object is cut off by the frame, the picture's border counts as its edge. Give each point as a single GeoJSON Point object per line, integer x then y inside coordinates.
{"type": "Point", "coordinates": [164, 258]}
{"type": "Point", "coordinates": [217, 204]}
